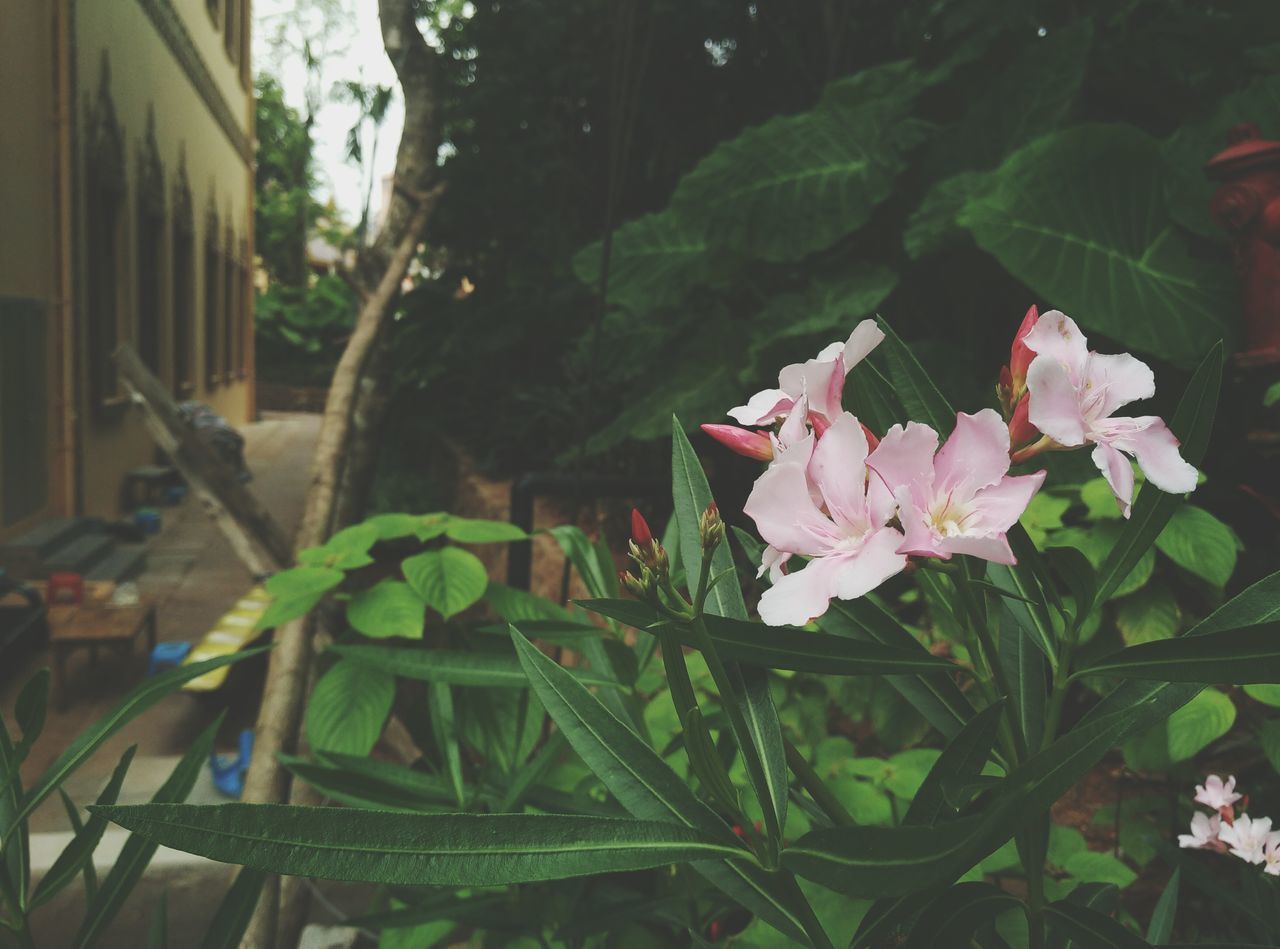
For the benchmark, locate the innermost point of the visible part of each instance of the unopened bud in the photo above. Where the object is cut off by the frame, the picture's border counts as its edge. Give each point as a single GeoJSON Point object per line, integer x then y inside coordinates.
{"type": "Point", "coordinates": [711, 527]}
{"type": "Point", "coordinates": [742, 441]}
{"type": "Point", "coordinates": [1021, 431]}
{"type": "Point", "coordinates": [1013, 377]}
{"type": "Point", "coordinates": [644, 550]}
{"type": "Point", "coordinates": [640, 532]}
{"type": "Point", "coordinates": [637, 586]}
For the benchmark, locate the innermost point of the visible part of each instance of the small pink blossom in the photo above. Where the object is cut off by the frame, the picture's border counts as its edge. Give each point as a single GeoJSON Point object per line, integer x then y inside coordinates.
{"type": "Point", "coordinates": [1248, 838]}
{"type": "Point", "coordinates": [1271, 854]}
{"type": "Point", "coordinates": [1073, 394]}
{"type": "Point", "coordinates": [821, 379]}
{"type": "Point", "coordinates": [816, 501]}
{"type": "Point", "coordinates": [959, 499]}
{"type": "Point", "coordinates": [1217, 794]}
{"type": "Point", "coordinates": [1204, 833]}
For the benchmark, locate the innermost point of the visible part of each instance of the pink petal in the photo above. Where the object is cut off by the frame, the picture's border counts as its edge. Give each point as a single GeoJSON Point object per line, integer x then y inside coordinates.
{"type": "Point", "coordinates": [865, 337]}
{"type": "Point", "coordinates": [1116, 469]}
{"type": "Point", "coordinates": [839, 470]}
{"type": "Point", "coordinates": [1156, 449]}
{"type": "Point", "coordinates": [874, 563]}
{"type": "Point", "coordinates": [1054, 405]}
{"type": "Point", "coordinates": [800, 596]}
{"type": "Point", "coordinates": [976, 453]}
{"type": "Point", "coordinates": [833, 398]}
{"type": "Point", "coordinates": [796, 427]}
{"type": "Point", "coordinates": [994, 548]}
{"type": "Point", "coordinates": [1115, 381]}
{"type": "Point", "coordinates": [905, 456]}
{"type": "Point", "coordinates": [999, 506]}
{"type": "Point", "coordinates": [920, 539]}
{"type": "Point", "coordinates": [762, 408]}
{"type": "Point", "coordinates": [773, 560]}
{"type": "Point", "coordinates": [783, 511]}
{"type": "Point", "coordinates": [1056, 336]}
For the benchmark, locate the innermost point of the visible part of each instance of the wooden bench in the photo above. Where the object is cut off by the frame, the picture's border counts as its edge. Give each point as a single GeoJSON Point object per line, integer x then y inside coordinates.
{"type": "Point", "coordinates": [95, 624]}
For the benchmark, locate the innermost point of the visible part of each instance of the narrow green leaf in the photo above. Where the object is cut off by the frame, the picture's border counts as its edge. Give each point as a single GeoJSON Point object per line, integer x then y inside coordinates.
{"type": "Point", "coordinates": [1090, 928]}
{"type": "Point", "coordinates": [30, 710]}
{"type": "Point", "coordinates": [79, 851]}
{"type": "Point", "coordinates": [158, 934]}
{"type": "Point", "coordinates": [366, 782]}
{"type": "Point", "coordinates": [1162, 917]}
{"type": "Point", "coordinates": [1235, 657]}
{"type": "Point", "coordinates": [577, 546]}
{"type": "Point", "coordinates": [954, 916]}
{"type": "Point", "coordinates": [962, 760]}
{"type": "Point", "coordinates": [234, 912]}
{"type": "Point", "coordinates": [1028, 612]}
{"type": "Point", "coordinates": [449, 666]}
{"type": "Point", "coordinates": [138, 851]}
{"type": "Point", "coordinates": [77, 826]}
{"type": "Point", "coordinates": [914, 385]}
{"type": "Point", "coordinates": [338, 843]}
{"type": "Point", "coordinates": [751, 684]}
{"type": "Point", "coordinates": [152, 690]}
{"type": "Point", "coordinates": [348, 707]}
{"type": "Point", "coordinates": [1027, 674]}
{"type": "Point", "coordinates": [389, 608]}
{"type": "Point", "coordinates": [444, 728]}
{"type": "Point", "coordinates": [449, 580]}
{"type": "Point", "coordinates": [1192, 422]}
{"type": "Point", "coordinates": [14, 875]}
{"type": "Point", "coordinates": [770, 647]}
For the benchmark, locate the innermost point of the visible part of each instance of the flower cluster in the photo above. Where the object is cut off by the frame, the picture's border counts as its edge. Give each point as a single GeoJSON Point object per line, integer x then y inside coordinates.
{"type": "Point", "coordinates": [857, 506]}
{"type": "Point", "coordinates": [1225, 831]}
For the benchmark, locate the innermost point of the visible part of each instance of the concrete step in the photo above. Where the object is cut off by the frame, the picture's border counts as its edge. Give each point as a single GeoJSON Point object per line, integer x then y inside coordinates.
{"type": "Point", "coordinates": [24, 556]}
{"type": "Point", "coordinates": [123, 563]}
{"type": "Point", "coordinates": [80, 555]}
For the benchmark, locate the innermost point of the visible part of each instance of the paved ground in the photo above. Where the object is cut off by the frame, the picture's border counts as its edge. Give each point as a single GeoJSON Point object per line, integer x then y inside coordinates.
{"type": "Point", "coordinates": [195, 574]}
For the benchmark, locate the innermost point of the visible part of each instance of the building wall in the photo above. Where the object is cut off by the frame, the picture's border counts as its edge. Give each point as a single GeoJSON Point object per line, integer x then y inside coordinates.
{"type": "Point", "coordinates": [159, 101]}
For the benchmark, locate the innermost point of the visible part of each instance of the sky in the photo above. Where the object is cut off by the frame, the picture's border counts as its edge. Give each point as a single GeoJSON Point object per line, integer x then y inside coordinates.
{"type": "Point", "coordinates": [353, 50]}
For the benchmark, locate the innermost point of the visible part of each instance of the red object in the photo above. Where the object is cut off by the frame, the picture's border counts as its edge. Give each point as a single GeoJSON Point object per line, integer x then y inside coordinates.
{"type": "Point", "coordinates": [1247, 204]}
{"type": "Point", "coordinates": [640, 532]}
{"type": "Point", "coordinates": [70, 585]}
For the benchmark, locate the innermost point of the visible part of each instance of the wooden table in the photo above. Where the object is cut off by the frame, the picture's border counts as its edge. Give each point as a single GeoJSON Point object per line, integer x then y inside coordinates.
{"type": "Point", "coordinates": [95, 624]}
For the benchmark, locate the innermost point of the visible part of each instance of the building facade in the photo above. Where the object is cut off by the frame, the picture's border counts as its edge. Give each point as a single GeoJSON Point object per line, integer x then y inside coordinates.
{"type": "Point", "coordinates": [126, 215]}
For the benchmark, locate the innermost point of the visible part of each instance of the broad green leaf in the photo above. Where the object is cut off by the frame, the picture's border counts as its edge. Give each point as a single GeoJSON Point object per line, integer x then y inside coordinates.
{"type": "Point", "coordinates": [137, 851]}
{"type": "Point", "coordinates": [654, 261]}
{"type": "Point", "coordinates": [1234, 657]}
{"type": "Point", "coordinates": [932, 226]}
{"type": "Point", "coordinates": [348, 708]}
{"type": "Point", "coordinates": [1200, 543]}
{"type": "Point", "coordinates": [780, 648]}
{"type": "Point", "coordinates": [1266, 694]}
{"type": "Point", "coordinates": [1160, 928]}
{"type": "Point", "coordinates": [79, 851]}
{"type": "Point", "coordinates": [1149, 615]}
{"type": "Point", "coordinates": [1202, 720]}
{"type": "Point", "coordinates": [1090, 201]}
{"type": "Point", "coordinates": [1192, 423]}
{"type": "Point", "coordinates": [346, 550]}
{"type": "Point", "coordinates": [1044, 514]}
{"type": "Point", "coordinates": [234, 912]}
{"type": "Point", "coordinates": [389, 608]}
{"type": "Point", "coordinates": [471, 530]}
{"type": "Point", "coordinates": [1269, 739]}
{"type": "Point", "coordinates": [450, 666]}
{"type": "Point", "coordinates": [1100, 501]}
{"type": "Point", "coordinates": [828, 306]}
{"type": "Point", "coordinates": [1097, 543]}
{"type": "Point", "coordinates": [449, 580]}
{"type": "Point", "coordinates": [294, 592]}
{"type": "Point", "coordinates": [645, 785]}
{"type": "Point", "coordinates": [134, 704]}
{"type": "Point", "coordinates": [796, 184]}
{"type": "Point", "coordinates": [394, 526]}
{"type": "Point", "coordinates": [1091, 866]}
{"type": "Point", "coordinates": [337, 843]}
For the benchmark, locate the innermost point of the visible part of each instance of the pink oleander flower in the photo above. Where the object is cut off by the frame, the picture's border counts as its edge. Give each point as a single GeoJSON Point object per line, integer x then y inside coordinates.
{"type": "Point", "coordinates": [959, 499]}
{"type": "Point", "coordinates": [1205, 830]}
{"type": "Point", "coordinates": [843, 530]}
{"type": "Point", "coordinates": [821, 379]}
{"type": "Point", "coordinates": [1073, 395]}
{"type": "Point", "coordinates": [1249, 838]}
{"type": "Point", "coordinates": [1217, 794]}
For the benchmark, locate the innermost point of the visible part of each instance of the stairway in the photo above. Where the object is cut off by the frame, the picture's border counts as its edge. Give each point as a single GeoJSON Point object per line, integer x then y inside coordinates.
{"type": "Point", "coordinates": [76, 544]}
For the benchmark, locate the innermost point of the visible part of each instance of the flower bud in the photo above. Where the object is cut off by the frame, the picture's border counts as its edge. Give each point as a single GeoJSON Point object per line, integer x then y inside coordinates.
{"type": "Point", "coordinates": [1021, 431]}
{"type": "Point", "coordinates": [640, 532]}
{"type": "Point", "coordinates": [1020, 355]}
{"type": "Point", "coordinates": [742, 441]}
{"type": "Point", "coordinates": [648, 554]}
{"type": "Point", "coordinates": [710, 527]}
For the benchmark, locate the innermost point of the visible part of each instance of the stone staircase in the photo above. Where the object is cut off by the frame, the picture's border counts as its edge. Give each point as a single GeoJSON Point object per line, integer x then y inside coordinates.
{"type": "Point", "coordinates": [80, 545]}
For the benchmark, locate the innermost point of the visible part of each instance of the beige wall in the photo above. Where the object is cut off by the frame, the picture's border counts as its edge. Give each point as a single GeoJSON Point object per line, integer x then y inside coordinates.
{"type": "Point", "coordinates": [145, 75]}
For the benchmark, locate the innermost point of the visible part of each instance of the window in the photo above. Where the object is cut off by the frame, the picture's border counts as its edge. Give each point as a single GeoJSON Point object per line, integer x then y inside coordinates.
{"type": "Point", "coordinates": [244, 268]}
{"type": "Point", "coordinates": [231, 30]}
{"type": "Point", "coordinates": [213, 283]}
{"type": "Point", "coordinates": [184, 284]}
{"type": "Point", "coordinates": [230, 308]}
{"type": "Point", "coordinates": [150, 256]}
{"type": "Point", "coordinates": [104, 210]}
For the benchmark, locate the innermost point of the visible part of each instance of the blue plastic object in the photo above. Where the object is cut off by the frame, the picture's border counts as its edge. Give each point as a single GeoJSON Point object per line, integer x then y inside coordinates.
{"type": "Point", "coordinates": [167, 656]}
{"type": "Point", "coordinates": [228, 773]}
{"type": "Point", "coordinates": [147, 519]}
{"type": "Point", "coordinates": [174, 494]}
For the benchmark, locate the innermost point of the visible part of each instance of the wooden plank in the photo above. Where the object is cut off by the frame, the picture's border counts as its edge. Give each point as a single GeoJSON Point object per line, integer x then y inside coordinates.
{"type": "Point", "coordinates": [234, 508]}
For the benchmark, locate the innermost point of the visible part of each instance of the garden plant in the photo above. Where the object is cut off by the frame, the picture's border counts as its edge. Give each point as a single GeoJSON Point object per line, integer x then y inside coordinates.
{"type": "Point", "coordinates": [677, 740]}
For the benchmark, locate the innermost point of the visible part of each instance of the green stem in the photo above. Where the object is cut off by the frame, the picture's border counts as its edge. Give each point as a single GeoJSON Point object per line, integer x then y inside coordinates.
{"type": "Point", "coordinates": [1061, 681]}
{"type": "Point", "coordinates": [817, 788]}
{"type": "Point", "coordinates": [991, 662]}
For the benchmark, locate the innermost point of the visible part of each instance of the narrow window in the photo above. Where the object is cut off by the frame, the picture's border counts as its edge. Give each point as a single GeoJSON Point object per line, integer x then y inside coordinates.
{"type": "Point", "coordinates": [184, 284]}
{"type": "Point", "coordinates": [230, 307]}
{"type": "Point", "coordinates": [213, 282]}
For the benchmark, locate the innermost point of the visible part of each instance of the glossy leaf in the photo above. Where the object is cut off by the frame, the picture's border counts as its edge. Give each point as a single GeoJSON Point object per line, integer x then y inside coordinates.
{"type": "Point", "coordinates": [231, 919]}
{"type": "Point", "coordinates": [1202, 720]}
{"type": "Point", "coordinates": [389, 608]}
{"type": "Point", "coordinates": [1235, 657]}
{"type": "Point", "coordinates": [1200, 543]}
{"type": "Point", "coordinates": [335, 843]}
{"type": "Point", "coordinates": [367, 782]}
{"type": "Point", "coordinates": [449, 579]}
{"type": "Point", "coordinates": [294, 592]}
{"type": "Point", "coordinates": [449, 666]}
{"type": "Point", "coordinates": [1160, 928]}
{"type": "Point", "coordinates": [962, 760]}
{"type": "Point", "coordinates": [471, 530]}
{"type": "Point", "coordinates": [1026, 672]}
{"type": "Point", "coordinates": [953, 917]}
{"type": "Point", "coordinates": [1090, 928]}
{"type": "Point", "coordinates": [348, 707]}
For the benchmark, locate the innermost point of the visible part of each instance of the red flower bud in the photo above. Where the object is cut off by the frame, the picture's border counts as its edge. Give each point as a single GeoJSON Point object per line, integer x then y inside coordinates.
{"type": "Point", "coordinates": [1020, 355]}
{"type": "Point", "coordinates": [742, 441]}
{"type": "Point", "coordinates": [1021, 431]}
{"type": "Point", "coordinates": [640, 532]}
{"type": "Point", "coordinates": [872, 440]}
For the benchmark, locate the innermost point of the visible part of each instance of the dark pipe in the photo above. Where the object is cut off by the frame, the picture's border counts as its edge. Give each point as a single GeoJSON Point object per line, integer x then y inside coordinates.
{"type": "Point", "coordinates": [535, 484]}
